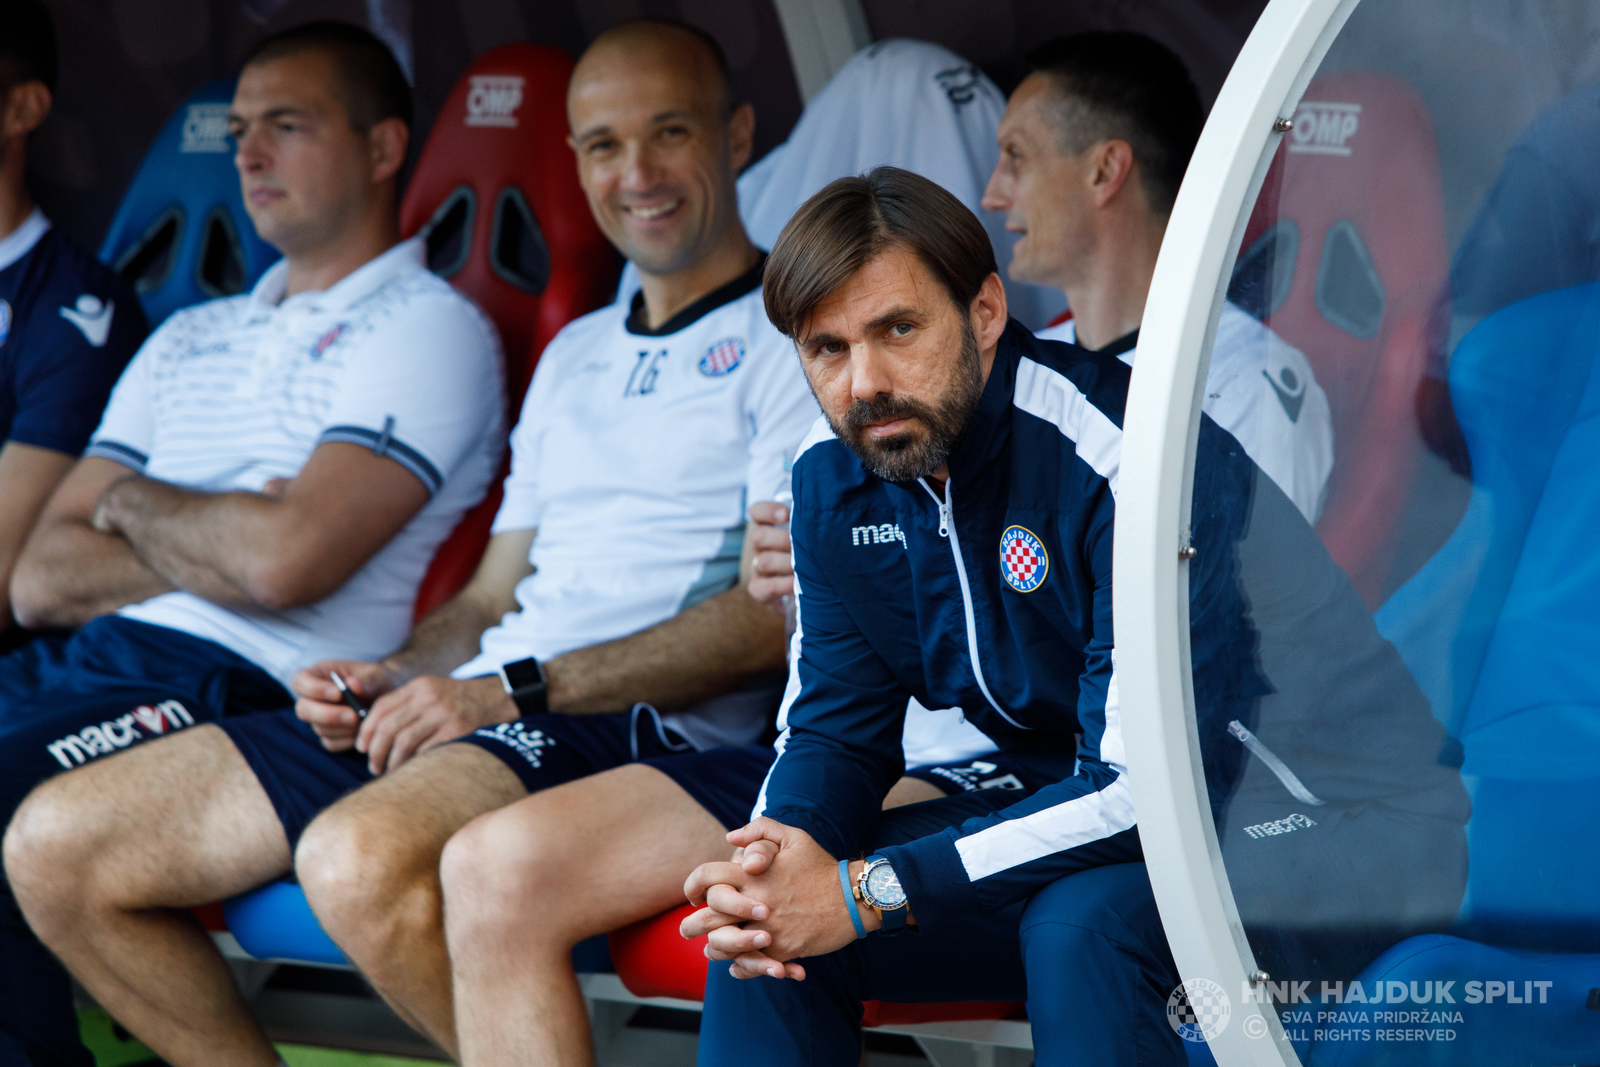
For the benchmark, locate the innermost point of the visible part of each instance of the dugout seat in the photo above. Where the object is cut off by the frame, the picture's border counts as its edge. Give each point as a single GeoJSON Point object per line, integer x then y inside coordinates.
{"type": "Point", "coordinates": [496, 197]}
{"type": "Point", "coordinates": [181, 234]}
{"type": "Point", "coordinates": [654, 961]}
{"type": "Point", "coordinates": [1499, 629]}
{"type": "Point", "coordinates": [1344, 256]}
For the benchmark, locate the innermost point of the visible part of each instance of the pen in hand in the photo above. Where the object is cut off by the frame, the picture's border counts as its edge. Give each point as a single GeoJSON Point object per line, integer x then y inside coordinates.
{"type": "Point", "coordinates": [349, 697]}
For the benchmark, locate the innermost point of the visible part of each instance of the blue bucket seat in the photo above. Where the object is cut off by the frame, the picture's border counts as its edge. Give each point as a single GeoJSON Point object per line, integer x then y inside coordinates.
{"type": "Point", "coordinates": [181, 235]}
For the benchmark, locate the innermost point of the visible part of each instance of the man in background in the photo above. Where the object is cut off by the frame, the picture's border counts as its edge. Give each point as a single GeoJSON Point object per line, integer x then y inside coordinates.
{"type": "Point", "coordinates": [68, 323]}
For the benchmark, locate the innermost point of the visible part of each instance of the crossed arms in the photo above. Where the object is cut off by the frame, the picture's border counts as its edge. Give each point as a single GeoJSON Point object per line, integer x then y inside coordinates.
{"type": "Point", "coordinates": [110, 537]}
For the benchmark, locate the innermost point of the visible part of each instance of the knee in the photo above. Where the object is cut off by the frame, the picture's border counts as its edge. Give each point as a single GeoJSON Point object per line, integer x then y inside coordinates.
{"type": "Point", "coordinates": [44, 852]}
{"type": "Point", "coordinates": [369, 881]}
{"type": "Point", "coordinates": [499, 867]}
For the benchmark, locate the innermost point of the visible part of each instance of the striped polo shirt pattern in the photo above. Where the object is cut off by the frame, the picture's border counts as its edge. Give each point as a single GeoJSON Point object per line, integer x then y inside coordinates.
{"type": "Point", "coordinates": [234, 392]}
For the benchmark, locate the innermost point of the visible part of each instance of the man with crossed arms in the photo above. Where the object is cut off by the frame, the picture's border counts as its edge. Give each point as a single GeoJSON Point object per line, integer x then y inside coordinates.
{"type": "Point", "coordinates": [270, 480]}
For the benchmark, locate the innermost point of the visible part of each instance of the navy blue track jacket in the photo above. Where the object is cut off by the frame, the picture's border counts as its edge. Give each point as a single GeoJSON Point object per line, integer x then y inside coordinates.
{"type": "Point", "coordinates": [994, 595]}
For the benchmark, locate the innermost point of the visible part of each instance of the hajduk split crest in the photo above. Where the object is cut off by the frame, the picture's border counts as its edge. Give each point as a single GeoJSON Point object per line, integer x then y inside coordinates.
{"type": "Point", "coordinates": [1023, 559]}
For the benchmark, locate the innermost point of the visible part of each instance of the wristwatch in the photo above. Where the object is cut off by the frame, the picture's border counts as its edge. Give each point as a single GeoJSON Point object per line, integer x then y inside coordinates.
{"type": "Point", "coordinates": [878, 887]}
{"type": "Point", "coordinates": [525, 682]}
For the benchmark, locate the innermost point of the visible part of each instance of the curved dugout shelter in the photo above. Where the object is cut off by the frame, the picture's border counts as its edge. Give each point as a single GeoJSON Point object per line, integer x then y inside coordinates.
{"type": "Point", "coordinates": [1406, 191]}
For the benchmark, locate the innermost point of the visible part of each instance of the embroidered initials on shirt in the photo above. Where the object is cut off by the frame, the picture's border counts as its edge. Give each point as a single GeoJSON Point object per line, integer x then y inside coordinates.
{"type": "Point", "coordinates": [642, 381]}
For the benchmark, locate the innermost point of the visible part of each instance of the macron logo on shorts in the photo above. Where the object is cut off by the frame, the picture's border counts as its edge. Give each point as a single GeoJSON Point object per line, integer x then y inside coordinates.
{"type": "Point", "coordinates": [74, 750]}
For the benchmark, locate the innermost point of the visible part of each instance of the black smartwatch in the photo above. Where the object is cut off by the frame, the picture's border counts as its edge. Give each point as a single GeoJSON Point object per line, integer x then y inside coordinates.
{"type": "Point", "coordinates": [524, 681]}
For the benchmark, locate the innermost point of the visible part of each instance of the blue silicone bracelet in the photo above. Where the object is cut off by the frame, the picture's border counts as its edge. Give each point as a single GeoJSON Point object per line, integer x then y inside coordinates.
{"type": "Point", "coordinates": [850, 899]}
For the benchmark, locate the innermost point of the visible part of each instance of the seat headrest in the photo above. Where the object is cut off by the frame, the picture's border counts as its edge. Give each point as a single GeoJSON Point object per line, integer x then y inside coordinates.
{"type": "Point", "coordinates": [181, 235]}
{"type": "Point", "coordinates": [496, 195]}
{"type": "Point", "coordinates": [1351, 213]}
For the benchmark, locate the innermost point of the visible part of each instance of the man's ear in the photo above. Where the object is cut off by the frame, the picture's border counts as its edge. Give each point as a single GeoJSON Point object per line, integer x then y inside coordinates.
{"type": "Point", "coordinates": [989, 312]}
{"type": "Point", "coordinates": [741, 136]}
{"type": "Point", "coordinates": [1112, 167]}
{"type": "Point", "coordinates": [387, 141]}
{"type": "Point", "coordinates": [24, 110]}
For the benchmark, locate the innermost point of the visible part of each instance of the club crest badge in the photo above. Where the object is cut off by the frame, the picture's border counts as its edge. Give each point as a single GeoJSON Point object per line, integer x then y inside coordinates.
{"type": "Point", "coordinates": [1023, 559]}
{"type": "Point", "coordinates": [722, 357]}
{"type": "Point", "coordinates": [326, 341]}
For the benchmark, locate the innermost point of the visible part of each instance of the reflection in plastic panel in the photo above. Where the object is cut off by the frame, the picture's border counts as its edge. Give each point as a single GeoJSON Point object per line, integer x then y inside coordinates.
{"type": "Point", "coordinates": [1462, 506]}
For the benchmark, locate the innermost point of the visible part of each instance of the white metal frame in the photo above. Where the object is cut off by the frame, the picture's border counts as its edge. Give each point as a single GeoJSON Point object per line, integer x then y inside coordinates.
{"type": "Point", "coordinates": [822, 35]}
{"type": "Point", "coordinates": [1151, 602]}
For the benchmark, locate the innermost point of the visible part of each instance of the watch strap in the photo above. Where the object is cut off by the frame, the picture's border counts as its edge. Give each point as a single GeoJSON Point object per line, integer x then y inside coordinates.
{"type": "Point", "coordinates": [532, 698]}
{"type": "Point", "coordinates": [850, 899]}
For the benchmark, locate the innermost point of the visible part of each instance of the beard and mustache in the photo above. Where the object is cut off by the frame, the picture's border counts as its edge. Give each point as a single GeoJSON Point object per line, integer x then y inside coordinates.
{"type": "Point", "coordinates": [909, 455]}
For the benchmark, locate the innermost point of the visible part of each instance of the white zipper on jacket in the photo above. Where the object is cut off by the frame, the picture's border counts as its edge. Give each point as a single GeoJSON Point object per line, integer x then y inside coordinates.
{"type": "Point", "coordinates": [947, 529]}
{"type": "Point", "coordinates": [1290, 780]}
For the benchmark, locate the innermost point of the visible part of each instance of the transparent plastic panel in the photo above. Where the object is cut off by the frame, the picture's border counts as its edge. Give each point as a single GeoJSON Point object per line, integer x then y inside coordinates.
{"type": "Point", "coordinates": [1395, 615]}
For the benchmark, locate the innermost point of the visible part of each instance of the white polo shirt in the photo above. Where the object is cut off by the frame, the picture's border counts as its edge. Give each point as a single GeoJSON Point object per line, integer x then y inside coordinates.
{"type": "Point", "coordinates": [1260, 389]}
{"type": "Point", "coordinates": [234, 392]}
{"type": "Point", "coordinates": [635, 458]}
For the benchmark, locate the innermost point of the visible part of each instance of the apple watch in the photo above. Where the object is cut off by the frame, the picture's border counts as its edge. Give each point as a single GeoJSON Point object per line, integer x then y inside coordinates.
{"type": "Point", "coordinates": [525, 682]}
{"type": "Point", "coordinates": [878, 887]}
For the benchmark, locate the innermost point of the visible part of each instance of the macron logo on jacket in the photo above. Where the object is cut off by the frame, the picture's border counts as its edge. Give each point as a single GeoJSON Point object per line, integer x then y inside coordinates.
{"type": "Point", "coordinates": [883, 533]}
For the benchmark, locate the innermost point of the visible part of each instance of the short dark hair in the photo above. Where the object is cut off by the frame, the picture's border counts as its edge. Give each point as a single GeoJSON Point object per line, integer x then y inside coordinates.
{"type": "Point", "coordinates": [373, 85]}
{"type": "Point", "coordinates": [1125, 86]}
{"type": "Point", "coordinates": [27, 44]}
{"type": "Point", "coordinates": [719, 58]}
{"type": "Point", "coordinates": [851, 220]}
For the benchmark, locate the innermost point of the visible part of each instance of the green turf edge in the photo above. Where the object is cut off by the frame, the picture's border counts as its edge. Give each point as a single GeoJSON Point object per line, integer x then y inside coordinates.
{"type": "Point", "coordinates": [95, 1026]}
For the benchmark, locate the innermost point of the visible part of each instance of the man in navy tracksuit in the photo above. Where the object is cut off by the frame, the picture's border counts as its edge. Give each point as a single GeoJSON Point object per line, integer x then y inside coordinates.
{"type": "Point", "coordinates": [952, 533]}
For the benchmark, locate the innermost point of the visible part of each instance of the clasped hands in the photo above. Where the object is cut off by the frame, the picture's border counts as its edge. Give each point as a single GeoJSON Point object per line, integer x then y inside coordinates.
{"type": "Point", "coordinates": [406, 717]}
{"type": "Point", "coordinates": [777, 900]}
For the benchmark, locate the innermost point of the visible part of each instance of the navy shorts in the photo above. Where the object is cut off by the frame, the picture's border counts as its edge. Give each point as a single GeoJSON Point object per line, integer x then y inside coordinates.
{"type": "Point", "coordinates": [546, 750]}
{"type": "Point", "coordinates": [997, 770]}
{"type": "Point", "coordinates": [67, 700]}
{"type": "Point", "coordinates": [302, 778]}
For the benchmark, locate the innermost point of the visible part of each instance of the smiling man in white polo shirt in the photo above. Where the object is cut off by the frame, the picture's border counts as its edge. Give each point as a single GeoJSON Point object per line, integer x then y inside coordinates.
{"type": "Point", "coordinates": [266, 489]}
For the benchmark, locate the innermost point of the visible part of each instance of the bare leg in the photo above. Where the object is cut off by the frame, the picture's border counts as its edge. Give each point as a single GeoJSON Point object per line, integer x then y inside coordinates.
{"type": "Point", "coordinates": [525, 884]}
{"type": "Point", "coordinates": [104, 859]}
{"type": "Point", "coordinates": [911, 791]}
{"type": "Point", "coordinates": [370, 868]}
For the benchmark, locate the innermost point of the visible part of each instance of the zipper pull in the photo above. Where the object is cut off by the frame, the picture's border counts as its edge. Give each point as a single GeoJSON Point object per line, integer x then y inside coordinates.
{"type": "Point", "coordinates": [944, 520]}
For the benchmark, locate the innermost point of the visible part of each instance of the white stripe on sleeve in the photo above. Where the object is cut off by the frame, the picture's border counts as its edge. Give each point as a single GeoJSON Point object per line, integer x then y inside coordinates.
{"type": "Point", "coordinates": [1065, 825]}
{"type": "Point", "coordinates": [1053, 397]}
{"type": "Point", "coordinates": [1044, 833]}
